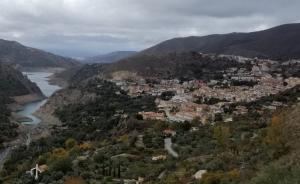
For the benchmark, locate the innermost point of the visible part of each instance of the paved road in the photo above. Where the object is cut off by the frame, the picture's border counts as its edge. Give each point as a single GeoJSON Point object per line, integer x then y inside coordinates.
{"type": "Point", "coordinates": [3, 155]}
{"type": "Point", "coordinates": [168, 147]}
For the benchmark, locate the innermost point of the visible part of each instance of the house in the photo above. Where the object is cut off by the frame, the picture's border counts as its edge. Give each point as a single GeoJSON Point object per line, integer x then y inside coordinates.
{"type": "Point", "coordinates": [270, 107]}
{"type": "Point", "coordinates": [229, 119]}
{"type": "Point", "coordinates": [240, 110]}
{"type": "Point", "coordinates": [140, 180]}
{"type": "Point", "coordinates": [153, 116]}
{"type": "Point", "coordinates": [43, 168]}
{"type": "Point", "coordinates": [159, 157]}
{"type": "Point", "coordinates": [169, 132]}
{"type": "Point", "coordinates": [194, 129]}
{"type": "Point", "coordinates": [277, 104]}
{"type": "Point", "coordinates": [186, 115]}
{"type": "Point", "coordinates": [198, 175]}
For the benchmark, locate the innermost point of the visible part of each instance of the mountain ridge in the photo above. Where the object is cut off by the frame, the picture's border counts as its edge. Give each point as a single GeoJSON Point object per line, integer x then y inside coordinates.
{"type": "Point", "coordinates": [109, 57]}
{"type": "Point", "coordinates": [17, 53]}
{"type": "Point", "coordinates": [278, 43]}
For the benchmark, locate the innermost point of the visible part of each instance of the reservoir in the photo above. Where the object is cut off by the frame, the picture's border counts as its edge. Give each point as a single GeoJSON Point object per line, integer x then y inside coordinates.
{"type": "Point", "coordinates": [42, 80]}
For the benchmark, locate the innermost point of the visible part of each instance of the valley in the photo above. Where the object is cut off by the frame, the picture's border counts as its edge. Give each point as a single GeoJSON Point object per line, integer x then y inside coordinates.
{"type": "Point", "coordinates": [42, 81]}
{"type": "Point", "coordinates": [116, 123]}
{"type": "Point", "coordinates": [30, 127]}
{"type": "Point", "coordinates": [197, 110]}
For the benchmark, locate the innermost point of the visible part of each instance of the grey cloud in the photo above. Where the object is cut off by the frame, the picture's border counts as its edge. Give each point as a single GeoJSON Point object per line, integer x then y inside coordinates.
{"type": "Point", "coordinates": [86, 27]}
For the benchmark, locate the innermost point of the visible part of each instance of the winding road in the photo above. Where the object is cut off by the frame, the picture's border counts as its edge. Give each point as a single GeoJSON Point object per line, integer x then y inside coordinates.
{"type": "Point", "coordinates": [168, 147]}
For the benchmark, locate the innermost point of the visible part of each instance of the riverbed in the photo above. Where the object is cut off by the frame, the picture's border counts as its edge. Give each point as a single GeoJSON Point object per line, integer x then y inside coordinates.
{"type": "Point", "coordinates": [42, 80]}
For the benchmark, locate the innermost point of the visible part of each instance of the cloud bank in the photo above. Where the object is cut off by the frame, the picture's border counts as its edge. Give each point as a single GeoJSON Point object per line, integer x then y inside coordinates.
{"type": "Point", "coordinates": [80, 28]}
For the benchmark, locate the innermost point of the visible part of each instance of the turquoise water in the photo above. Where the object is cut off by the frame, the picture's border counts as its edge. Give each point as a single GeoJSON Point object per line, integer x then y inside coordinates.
{"type": "Point", "coordinates": [41, 79]}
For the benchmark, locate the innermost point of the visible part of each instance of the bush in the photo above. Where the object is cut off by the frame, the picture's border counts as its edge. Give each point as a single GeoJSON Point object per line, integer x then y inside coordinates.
{"type": "Point", "coordinates": [63, 164]}
{"type": "Point", "coordinates": [278, 175]}
{"type": "Point", "coordinates": [221, 177]}
{"type": "Point", "coordinates": [74, 180]}
{"type": "Point", "coordinates": [70, 143]}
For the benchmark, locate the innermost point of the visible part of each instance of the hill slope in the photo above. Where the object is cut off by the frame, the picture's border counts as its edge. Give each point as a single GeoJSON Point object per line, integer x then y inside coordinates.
{"type": "Point", "coordinates": [187, 65]}
{"type": "Point", "coordinates": [110, 57]}
{"type": "Point", "coordinates": [12, 83]}
{"type": "Point", "coordinates": [279, 43]}
{"type": "Point", "coordinates": [14, 52]}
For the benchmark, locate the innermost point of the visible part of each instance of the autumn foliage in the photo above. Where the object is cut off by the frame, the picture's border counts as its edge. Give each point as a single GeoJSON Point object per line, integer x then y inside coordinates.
{"type": "Point", "coordinates": [274, 131]}
{"type": "Point", "coordinates": [222, 135]}
{"type": "Point", "coordinates": [74, 180]}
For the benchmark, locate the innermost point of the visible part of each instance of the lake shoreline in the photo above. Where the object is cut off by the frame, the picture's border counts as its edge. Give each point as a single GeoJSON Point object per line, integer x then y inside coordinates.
{"type": "Point", "coordinates": [28, 129]}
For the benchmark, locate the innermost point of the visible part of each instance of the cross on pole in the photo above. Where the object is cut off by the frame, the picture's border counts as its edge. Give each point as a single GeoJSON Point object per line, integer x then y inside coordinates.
{"type": "Point", "coordinates": [34, 172]}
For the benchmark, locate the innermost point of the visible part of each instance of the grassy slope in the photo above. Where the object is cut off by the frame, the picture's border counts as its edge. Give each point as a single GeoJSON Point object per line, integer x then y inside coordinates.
{"type": "Point", "coordinates": [285, 170]}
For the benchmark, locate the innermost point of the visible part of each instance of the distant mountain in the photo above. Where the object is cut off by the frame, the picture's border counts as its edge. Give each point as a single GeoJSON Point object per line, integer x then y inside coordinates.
{"type": "Point", "coordinates": [110, 57]}
{"type": "Point", "coordinates": [86, 72]}
{"type": "Point", "coordinates": [14, 52]}
{"type": "Point", "coordinates": [279, 43]}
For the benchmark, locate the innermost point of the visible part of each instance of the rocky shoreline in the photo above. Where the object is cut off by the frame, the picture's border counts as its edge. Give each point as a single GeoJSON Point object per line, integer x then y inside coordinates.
{"type": "Point", "coordinates": [19, 103]}
{"type": "Point", "coordinates": [53, 79]}
{"type": "Point", "coordinates": [26, 132]}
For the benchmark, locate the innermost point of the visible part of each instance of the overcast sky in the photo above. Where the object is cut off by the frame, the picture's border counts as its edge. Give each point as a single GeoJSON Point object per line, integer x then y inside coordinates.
{"type": "Point", "coordinates": [80, 28]}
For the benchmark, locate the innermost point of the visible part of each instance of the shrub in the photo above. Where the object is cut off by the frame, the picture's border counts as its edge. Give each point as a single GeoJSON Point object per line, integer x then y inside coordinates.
{"type": "Point", "coordinates": [278, 175]}
{"type": "Point", "coordinates": [63, 164]}
{"type": "Point", "coordinates": [70, 143]}
{"type": "Point", "coordinates": [222, 134]}
{"type": "Point", "coordinates": [74, 180]}
{"type": "Point", "coordinates": [221, 177]}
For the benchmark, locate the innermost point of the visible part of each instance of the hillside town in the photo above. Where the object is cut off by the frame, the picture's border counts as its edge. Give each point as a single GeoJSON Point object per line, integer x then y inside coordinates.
{"type": "Point", "coordinates": [149, 92]}
{"type": "Point", "coordinates": [204, 100]}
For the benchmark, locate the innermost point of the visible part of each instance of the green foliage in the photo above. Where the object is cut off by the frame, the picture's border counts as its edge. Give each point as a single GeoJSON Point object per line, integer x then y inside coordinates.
{"type": "Point", "coordinates": [99, 142]}
{"type": "Point", "coordinates": [7, 128]}
{"type": "Point", "coordinates": [275, 139]}
{"type": "Point", "coordinates": [70, 143]}
{"type": "Point", "coordinates": [278, 175]}
{"type": "Point", "coordinates": [61, 164]}
{"type": "Point", "coordinates": [222, 135]}
{"type": "Point", "coordinates": [103, 113]}
{"type": "Point", "coordinates": [220, 177]}
{"type": "Point", "coordinates": [167, 95]}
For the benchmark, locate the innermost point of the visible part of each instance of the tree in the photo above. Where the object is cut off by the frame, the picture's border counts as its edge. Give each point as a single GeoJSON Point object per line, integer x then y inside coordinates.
{"type": "Point", "coordinates": [167, 95]}
{"type": "Point", "coordinates": [62, 164]}
{"type": "Point", "coordinates": [274, 138]}
{"type": "Point", "coordinates": [74, 180]}
{"type": "Point", "coordinates": [274, 132]}
{"type": "Point", "coordinates": [70, 143]}
{"type": "Point", "coordinates": [160, 126]}
{"type": "Point", "coordinates": [222, 135]}
{"type": "Point", "coordinates": [221, 177]}
{"type": "Point", "coordinates": [196, 121]}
